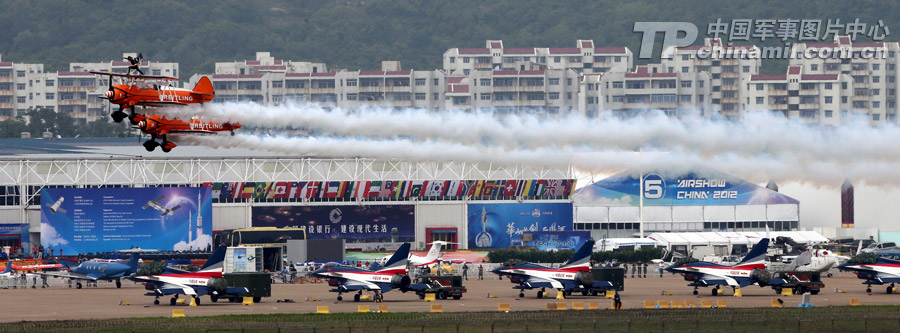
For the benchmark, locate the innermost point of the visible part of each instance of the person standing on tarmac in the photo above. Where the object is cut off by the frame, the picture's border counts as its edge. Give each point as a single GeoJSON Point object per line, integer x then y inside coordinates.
{"type": "Point", "coordinates": [480, 272]}
{"type": "Point", "coordinates": [634, 267]}
{"type": "Point", "coordinates": [465, 270]}
{"type": "Point", "coordinates": [617, 302]}
{"type": "Point", "coordinates": [645, 271]}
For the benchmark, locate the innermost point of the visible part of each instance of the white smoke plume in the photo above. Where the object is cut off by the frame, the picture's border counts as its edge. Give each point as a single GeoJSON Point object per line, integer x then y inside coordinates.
{"type": "Point", "coordinates": [758, 147]}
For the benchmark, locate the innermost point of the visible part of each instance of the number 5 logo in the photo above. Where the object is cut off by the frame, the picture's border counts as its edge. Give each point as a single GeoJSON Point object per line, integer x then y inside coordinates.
{"type": "Point", "coordinates": [654, 186]}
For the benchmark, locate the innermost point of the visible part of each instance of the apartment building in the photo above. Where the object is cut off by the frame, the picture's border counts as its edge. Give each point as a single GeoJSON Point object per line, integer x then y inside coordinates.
{"type": "Point", "coordinates": [551, 92]}
{"type": "Point", "coordinates": [872, 68]}
{"type": "Point", "coordinates": [728, 66]}
{"type": "Point", "coordinates": [583, 58]}
{"type": "Point", "coordinates": [24, 86]}
{"type": "Point", "coordinates": [648, 87]}
{"type": "Point", "coordinates": [270, 81]}
{"type": "Point", "coordinates": [813, 98]}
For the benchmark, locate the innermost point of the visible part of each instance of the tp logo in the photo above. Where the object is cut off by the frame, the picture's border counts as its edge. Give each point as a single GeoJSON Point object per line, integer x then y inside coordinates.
{"type": "Point", "coordinates": [670, 32]}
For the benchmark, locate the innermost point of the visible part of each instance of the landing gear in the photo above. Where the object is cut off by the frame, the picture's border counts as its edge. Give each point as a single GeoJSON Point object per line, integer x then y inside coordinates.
{"type": "Point", "coordinates": [131, 118]}
{"type": "Point", "coordinates": [78, 285]}
{"type": "Point", "coordinates": [156, 301]}
{"type": "Point", "coordinates": [869, 289]}
{"type": "Point", "coordinates": [379, 298]}
{"type": "Point", "coordinates": [118, 284]}
{"type": "Point", "coordinates": [890, 290]}
{"type": "Point", "coordinates": [695, 291]}
{"type": "Point", "coordinates": [213, 298]}
{"type": "Point", "coordinates": [118, 116]}
{"type": "Point", "coordinates": [173, 300]}
{"type": "Point", "coordinates": [356, 297]}
{"type": "Point", "coordinates": [715, 291]}
{"type": "Point", "coordinates": [540, 293]}
{"type": "Point", "coordinates": [340, 298]}
{"type": "Point", "coordinates": [150, 145]}
{"type": "Point", "coordinates": [197, 300]}
{"type": "Point", "coordinates": [521, 294]}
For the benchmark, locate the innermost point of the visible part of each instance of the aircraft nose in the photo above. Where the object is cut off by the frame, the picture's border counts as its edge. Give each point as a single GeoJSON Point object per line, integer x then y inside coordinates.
{"type": "Point", "coordinates": [109, 94]}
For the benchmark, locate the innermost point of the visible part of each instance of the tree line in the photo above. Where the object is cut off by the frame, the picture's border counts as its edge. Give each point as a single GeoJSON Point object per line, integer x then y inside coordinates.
{"type": "Point", "coordinates": [40, 120]}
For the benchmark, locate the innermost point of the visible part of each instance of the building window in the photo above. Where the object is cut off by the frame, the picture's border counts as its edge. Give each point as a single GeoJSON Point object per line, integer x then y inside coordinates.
{"type": "Point", "coordinates": [20, 86]}
{"type": "Point", "coordinates": [700, 84]}
{"type": "Point", "coordinates": [618, 59]}
{"type": "Point", "coordinates": [685, 84]}
{"type": "Point", "coordinates": [814, 67]}
{"type": "Point", "coordinates": [553, 82]}
{"type": "Point", "coordinates": [437, 82]}
{"type": "Point", "coordinates": [844, 99]}
{"type": "Point", "coordinates": [351, 82]}
{"type": "Point", "coordinates": [48, 96]}
{"type": "Point", "coordinates": [420, 82]}
{"type": "Point", "coordinates": [828, 113]}
{"type": "Point", "coordinates": [568, 82]}
{"type": "Point", "coordinates": [420, 96]}
{"type": "Point", "coordinates": [436, 96]}
{"type": "Point", "coordinates": [617, 84]}
{"type": "Point", "coordinates": [828, 99]}
{"type": "Point", "coordinates": [452, 60]}
{"type": "Point", "coordinates": [557, 59]}
{"type": "Point", "coordinates": [685, 57]}
{"type": "Point", "coordinates": [876, 117]}
{"type": "Point", "coordinates": [876, 104]}
{"type": "Point", "coordinates": [277, 84]}
{"type": "Point", "coordinates": [685, 98]}
{"type": "Point", "coordinates": [20, 73]}
{"type": "Point", "coordinates": [746, 69]}
{"type": "Point", "coordinates": [876, 67]}
{"type": "Point", "coordinates": [21, 99]}
{"type": "Point", "coordinates": [352, 97]}
{"type": "Point", "coordinates": [465, 60]}
{"type": "Point", "coordinates": [466, 72]}
{"type": "Point", "coordinates": [554, 95]}
{"type": "Point", "coordinates": [49, 83]}
{"type": "Point", "coordinates": [760, 100]}
{"type": "Point", "coordinates": [685, 69]}
{"type": "Point", "coordinates": [485, 97]}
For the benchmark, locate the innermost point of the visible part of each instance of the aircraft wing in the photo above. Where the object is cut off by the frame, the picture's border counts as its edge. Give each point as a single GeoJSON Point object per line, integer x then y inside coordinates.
{"type": "Point", "coordinates": [67, 276]}
{"type": "Point", "coordinates": [137, 76]}
{"type": "Point", "coordinates": [353, 285]}
{"type": "Point", "coordinates": [534, 282]}
{"type": "Point", "coordinates": [721, 280]}
{"type": "Point", "coordinates": [160, 103]}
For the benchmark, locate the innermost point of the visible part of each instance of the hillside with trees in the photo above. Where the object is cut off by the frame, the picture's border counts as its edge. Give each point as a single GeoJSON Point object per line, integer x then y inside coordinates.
{"type": "Point", "coordinates": [359, 34]}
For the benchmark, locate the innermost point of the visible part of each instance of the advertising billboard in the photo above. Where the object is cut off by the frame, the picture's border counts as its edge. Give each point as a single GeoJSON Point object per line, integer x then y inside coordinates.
{"type": "Point", "coordinates": [559, 240]}
{"type": "Point", "coordinates": [81, 220]}
{"type": "Point", "coordinates": [353, 223]}
{"type": "Point", "coordinates": [701, 188]}
{"type": "Point", "coordinates": [495, 226]}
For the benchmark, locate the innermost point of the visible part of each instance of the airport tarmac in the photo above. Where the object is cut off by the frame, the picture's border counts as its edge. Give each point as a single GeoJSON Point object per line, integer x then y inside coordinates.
{"type": "Point", "coordinates": [62, 303]}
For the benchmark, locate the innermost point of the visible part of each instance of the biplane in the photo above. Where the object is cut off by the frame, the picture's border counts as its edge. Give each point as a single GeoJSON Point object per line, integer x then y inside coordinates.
{"type": "Point", "coordinates": [158, 127]}
{"type": "Point", "coordinates": [151, 91]}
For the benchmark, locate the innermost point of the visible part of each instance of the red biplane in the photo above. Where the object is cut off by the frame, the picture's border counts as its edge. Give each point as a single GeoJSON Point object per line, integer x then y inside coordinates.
{"type": "Point", "coordinates": [158, 127]}
{"type": "Point", "coordinates": [151, 90]}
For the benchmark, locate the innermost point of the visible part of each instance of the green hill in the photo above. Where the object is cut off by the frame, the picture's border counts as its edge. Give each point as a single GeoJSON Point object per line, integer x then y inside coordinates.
{"type": "Point", "coordinates": [359, 34]}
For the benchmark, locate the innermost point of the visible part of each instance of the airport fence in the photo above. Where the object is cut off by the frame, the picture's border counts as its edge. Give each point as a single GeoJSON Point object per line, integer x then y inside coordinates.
{"type": "Point", "coordinates": [826, 319]}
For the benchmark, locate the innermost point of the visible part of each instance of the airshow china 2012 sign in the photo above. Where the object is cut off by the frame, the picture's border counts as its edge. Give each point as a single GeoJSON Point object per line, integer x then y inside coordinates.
{"type": "Point", "coordinates": [702, 188]}
{"type": "Point", "coordinates": [495, 226]}
{"type": "Point", "coordinates": [354, 223]}
{"type": "Point", "coordinates": [81, 220]}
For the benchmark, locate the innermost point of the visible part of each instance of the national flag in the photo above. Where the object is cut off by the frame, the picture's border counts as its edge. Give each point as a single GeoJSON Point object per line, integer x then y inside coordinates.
{"type": "Point", "coordinates": [373, 188]}
{"type": "Point", "coordinates": [528, 188]}
{"type": "Point", "coordinates": [540, 187]}
{"type": "Point", "coordinates": [454, 187]}
{"type": "Point", "coordinates": [331, 190]}
{"type": "Point", "coordinates": [488, 188]}
{"type": "Point", "coordinates": [469, 189]}
{"type": "Point", "coordinates": [311, 190]}
{"type": "Point", "coordinates": [387, 188]}
{"type": "Point", "coordinates": [247, 191]}
{"type": "Point", "coordinates": [401, 190]}
{"type": "Point", "coordinates": [510, 189]}
{"type": "Point", "coordinates": [415, 189]}
{"type": "Point", "coordinates": [280, 191]}
{"type": "Point", "coordinates": [259, 190]}
{"type": "Point", "coordinates": [354, 190]}
{"type": "Point", "coordinates": [434, 189]}
{"type": "Point", "coordinates": [295, 189]}
{"type": "Point", "coordinates": [217, 190]}
{"type": "Point", "coordinates": [478, 185]}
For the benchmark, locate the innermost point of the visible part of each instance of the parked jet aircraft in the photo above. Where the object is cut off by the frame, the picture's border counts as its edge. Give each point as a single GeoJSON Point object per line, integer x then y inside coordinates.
{"type": "Point", "coordinates": [151, 90]}
{"type": "Point", "coordinates": [576, 272]}
{"type": "Point", "coordinates": [158, 127]}
{"type": "Point", "coordinates": [379, 280]}
{"type": "Point", "coordinates": [874, 270]}
{"type": "Point", "coordinates": [750, 270]}
{"type": "Point", "coordinates": [207, 281]}
{"type": "Point", "coordinates": [156, 205]}
{"type": "Point", "coordinates": [93, 271]}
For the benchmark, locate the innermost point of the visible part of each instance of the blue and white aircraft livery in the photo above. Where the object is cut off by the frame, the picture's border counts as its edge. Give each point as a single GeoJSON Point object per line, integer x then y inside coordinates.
{"type": "Point", "coordinates": [883, 271]}
{"type": "Point", "coordinates": [576, 272]}
{"type": "Point", "coordinates": [750, 270]}
{"type": "Point", "coordinates": [93, 271]}
{"type": "Point", "coordinates": [378, 279]}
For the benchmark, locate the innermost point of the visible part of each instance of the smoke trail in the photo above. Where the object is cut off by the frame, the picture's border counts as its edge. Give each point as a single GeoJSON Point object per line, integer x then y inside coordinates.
{"type": "Point", "coordinates": [756, 134]}
{"type": "Point", "coordinates": [753, 168]}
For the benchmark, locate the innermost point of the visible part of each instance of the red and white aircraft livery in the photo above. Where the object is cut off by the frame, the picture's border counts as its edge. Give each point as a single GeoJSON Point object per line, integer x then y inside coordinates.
{"type": "Point", "coordinates": [576, 272]}
{"type": "Point", "coordinates": [430, 258]}
{"type": "Point", "coordinates": [377, 279]}
{"type": "Point", "coordinates": [750, 270]}
{"type": "Point", "coordinates": [207, 281]}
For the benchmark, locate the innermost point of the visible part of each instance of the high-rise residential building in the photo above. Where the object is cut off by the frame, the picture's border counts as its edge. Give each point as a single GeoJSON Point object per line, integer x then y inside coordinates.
{"type": "Point", "coordinates": [551, 92]}
{"type": "Point", "coordinates": [648, 87]}
{"type": "Point", "coordinates": [24, 86]}
{"type": "Point", "coordinates": [584, 58]}
{"type": "Point", "coordinates": [270, 81]}
{"type": "Point", "coordinates": [727, 65]}
{"type": "Point", "coordinates": [812, 98]}
{"type": "Point", "coordinates": [871, 67]}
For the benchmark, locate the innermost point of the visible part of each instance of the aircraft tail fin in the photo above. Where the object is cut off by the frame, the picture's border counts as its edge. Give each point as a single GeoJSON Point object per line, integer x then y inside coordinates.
{"type": "Point", "coordinates": [204, 86]}
{"type": "Point", "coordinates": [133, 263]}
{"type": "Point", "coordinates": [216, 261]}
{"type": "Point", "coordinates": [434, 251]}
{"type": "Point", "coordinates": [757, 253]}
{"type": "Point", "coordinates": [582, 256]}
{"type": "Point", "coordinates": [399, 259]}
{"type": "Point", "coordinates": [859, 248]}
{"type": "Point", "coordinates": [8, 267]}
